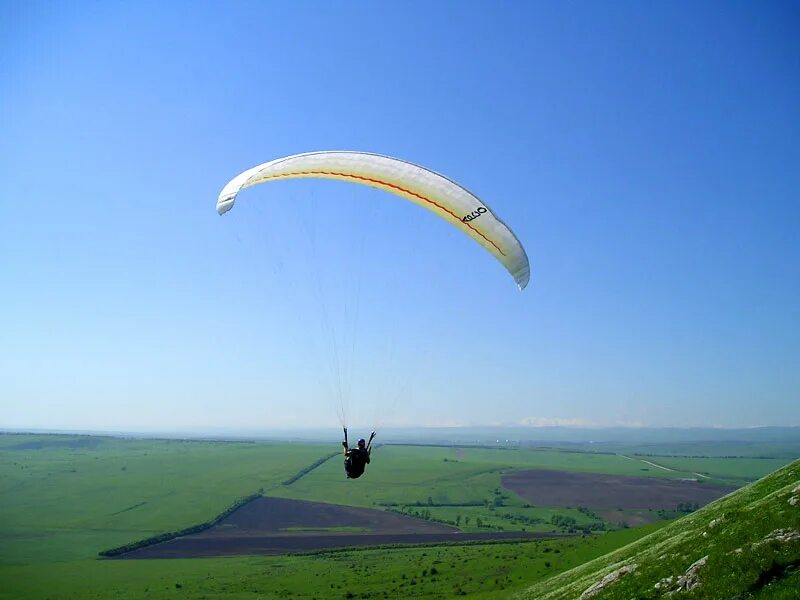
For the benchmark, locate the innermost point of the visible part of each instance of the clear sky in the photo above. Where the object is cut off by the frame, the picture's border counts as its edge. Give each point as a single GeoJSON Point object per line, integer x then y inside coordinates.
{"type": "Point", "coordinates": [647, 154]}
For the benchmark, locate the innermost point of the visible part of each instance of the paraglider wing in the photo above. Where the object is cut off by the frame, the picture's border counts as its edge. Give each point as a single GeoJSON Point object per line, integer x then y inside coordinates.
{"type": "Point", "coordinates": [430, 190]}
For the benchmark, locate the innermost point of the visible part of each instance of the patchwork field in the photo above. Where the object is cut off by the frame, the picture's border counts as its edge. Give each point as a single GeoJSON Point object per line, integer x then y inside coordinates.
{"type": "Point", "coordinates": [439, 476]}
{"type": "Point", "coordinates": [66, 498]}
{"type": "Point", "coordinates": [279, 526]}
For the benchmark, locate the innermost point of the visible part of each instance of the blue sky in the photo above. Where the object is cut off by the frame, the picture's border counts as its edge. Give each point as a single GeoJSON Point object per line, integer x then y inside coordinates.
{"type": "Point", "coordinates": [646, 154]}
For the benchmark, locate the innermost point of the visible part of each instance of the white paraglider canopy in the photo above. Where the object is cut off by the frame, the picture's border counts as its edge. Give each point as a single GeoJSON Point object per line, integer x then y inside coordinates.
{"type": "Point", "coordinates": [442, 196]}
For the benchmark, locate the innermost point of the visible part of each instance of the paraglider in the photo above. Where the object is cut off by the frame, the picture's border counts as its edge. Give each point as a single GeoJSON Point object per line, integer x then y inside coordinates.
{"type": "Point", "coordinates": [356, 459]}
{"type": "Point", "coordinates": [433, 191]}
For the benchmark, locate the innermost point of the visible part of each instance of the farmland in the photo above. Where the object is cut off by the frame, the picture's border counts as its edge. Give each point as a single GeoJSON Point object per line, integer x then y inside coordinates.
{"type": "Point", "coordinates": [69, 497]}
{"type": "Point", "coordinates": [66, 498]}
{"type": "Point", "coordinates": [557, 488]}
{"type": "Point", "coordinates": [404, 475]}
{"type": "Point", "coordinates": [277, 526]}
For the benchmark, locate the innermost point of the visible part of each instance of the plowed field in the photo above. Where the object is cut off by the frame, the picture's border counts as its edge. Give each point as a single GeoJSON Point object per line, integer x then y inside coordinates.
{"type": "Point", "coordinates": [277, 526]}
{"type": "Point", "coordinates": [561, 488]}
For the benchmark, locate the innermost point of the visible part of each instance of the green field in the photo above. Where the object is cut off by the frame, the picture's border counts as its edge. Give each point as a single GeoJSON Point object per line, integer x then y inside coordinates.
{"type": "Point", "coordinates": [735, 471]}
{"type": "Point", "coordinates": [786, 446]}
{"type": "Point", "coordinates": [479, 570]}
{"type": "Point", "coordinates": [65, 498]}
{"type": "Point", "coordinates": [509, 518]}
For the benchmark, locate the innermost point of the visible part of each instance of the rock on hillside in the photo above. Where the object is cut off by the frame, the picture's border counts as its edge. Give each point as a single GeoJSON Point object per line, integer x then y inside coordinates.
{"type": "Point", "coordinates": [744, 545]}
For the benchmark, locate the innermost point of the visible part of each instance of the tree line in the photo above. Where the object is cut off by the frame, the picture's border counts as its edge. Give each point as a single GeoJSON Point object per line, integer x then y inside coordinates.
{"type": "Point", "coordinates": [309, 468]}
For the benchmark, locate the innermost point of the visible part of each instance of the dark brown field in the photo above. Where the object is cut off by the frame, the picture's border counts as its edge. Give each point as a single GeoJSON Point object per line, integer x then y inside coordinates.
{"type": "Point", "coordinates": [559, 488]}
{"type": "Point", "coordinates": [278, 526]}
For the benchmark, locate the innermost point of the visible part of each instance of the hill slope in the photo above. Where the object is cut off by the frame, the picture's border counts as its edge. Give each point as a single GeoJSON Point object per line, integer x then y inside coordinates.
{"type": "Point", "coordinates": [744, 545]}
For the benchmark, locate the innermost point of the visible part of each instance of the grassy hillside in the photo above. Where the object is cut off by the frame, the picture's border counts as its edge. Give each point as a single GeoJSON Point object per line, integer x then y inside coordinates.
{"type": "Point", "coordinates": [478, 572]}
{"type": "Point", "coordinates": [745, 545]}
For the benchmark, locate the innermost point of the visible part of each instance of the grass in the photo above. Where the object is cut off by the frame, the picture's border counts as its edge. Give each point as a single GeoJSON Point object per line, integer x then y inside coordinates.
{"type": "Point", "coordinates": [733, 533]}
{"type": "Point", "coordinates": [64, 498]}
{"type": "Point", "coordinates": [787, 450]}
{"type": "Point", "coordinates": [480, 571]}
{"type": "Point", "coordinates": [736, 471]}
{"type": "Point", "coordinates": [505, 518]}
{"type": "Point", "coordinates": [61, 502]}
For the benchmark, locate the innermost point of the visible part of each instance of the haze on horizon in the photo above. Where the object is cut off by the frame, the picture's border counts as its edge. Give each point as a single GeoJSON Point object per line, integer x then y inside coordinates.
{"type": "Point", "coordinates": [645, 155]}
